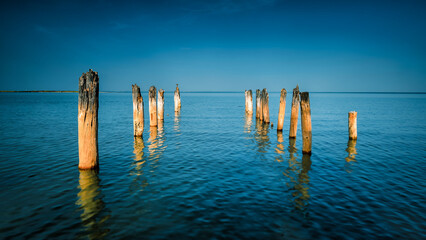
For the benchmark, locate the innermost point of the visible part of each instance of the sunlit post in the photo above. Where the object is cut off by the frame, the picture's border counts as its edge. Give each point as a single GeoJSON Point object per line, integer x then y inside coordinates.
{"type": "Point", "coordinates": [281, 111]}
{"type": "Point", "coordinates": [305, 109]}
{"type": "Point", "coordinates": [265, 105]}
{"type": "Point", "coordinates": [294, 112]}
{"type": "Point", "coordinates": [352, 124]}
{"type": "Point", "coordinates": [138, 120]}
{"type": "Point", "coordinates": [153, 107]}
{"type": "Point", "coordinates": [249, 102]}
{"type": "Point", "coordinates": [177, 99]}
{"type": "Point", "coordinates": [160, 105]}
{"type": "Point", "coordinates": [88, 104]}
{"type": "Point", "coordinates": [258, 108]}
{"type": "Point", "coordinates": [261, 106]}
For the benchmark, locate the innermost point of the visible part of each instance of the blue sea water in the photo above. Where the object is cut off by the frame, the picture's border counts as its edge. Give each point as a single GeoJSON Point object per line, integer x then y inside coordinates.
{"type": "Point", "coordinates": [213, 173]}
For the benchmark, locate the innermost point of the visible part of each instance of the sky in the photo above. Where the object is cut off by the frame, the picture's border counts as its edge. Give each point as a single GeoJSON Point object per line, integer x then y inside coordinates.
{"type": "Point", "coordinates": [332, 46]}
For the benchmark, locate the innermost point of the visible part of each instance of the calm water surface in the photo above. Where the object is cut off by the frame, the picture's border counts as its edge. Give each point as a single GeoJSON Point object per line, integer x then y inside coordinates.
{"type": "Point", "coordinates": [213, 173]}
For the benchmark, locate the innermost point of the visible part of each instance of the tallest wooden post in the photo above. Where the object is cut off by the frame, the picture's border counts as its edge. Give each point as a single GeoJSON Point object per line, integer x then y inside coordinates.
{"type": "Point", "coordinates": [138, 116]}
{"type": "Point", "coordinates": [88, 104]}
{"type": "Point", "coordinates": [294, 112]}
{"type": "Point", "coordinates": [305, 109]}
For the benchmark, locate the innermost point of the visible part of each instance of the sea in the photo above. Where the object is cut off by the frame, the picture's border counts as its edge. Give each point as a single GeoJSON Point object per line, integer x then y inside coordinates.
{"type": "Point", "coordinates": [212, 172]}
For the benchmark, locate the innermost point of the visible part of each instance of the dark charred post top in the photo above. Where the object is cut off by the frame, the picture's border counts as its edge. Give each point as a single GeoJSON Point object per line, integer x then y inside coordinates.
{"type": "Point", "coordinates": [304, 97]}
{"type": "Point", "coordinates": [152, 92]}
{"type": "Point", "coordinates": [296, 97]}
{"type": "Point", "coordinates": [88, 92]}
{"type": "Point", "coordinates": [136, 94]}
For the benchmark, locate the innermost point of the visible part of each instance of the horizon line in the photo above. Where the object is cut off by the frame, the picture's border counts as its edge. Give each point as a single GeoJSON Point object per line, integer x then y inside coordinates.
{"type": "Point", "coordinates": [242, 91]}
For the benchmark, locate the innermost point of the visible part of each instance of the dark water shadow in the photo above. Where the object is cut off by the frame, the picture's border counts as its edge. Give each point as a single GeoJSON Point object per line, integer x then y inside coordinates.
{"type": "Point", "coordinates": [94, 213]}
{"type": "Point", "coordinates": [351, 158]}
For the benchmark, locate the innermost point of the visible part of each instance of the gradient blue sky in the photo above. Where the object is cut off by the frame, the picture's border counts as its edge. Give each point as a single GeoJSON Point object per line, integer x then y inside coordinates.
{"type": "Point", "coordinates": [215, 45]}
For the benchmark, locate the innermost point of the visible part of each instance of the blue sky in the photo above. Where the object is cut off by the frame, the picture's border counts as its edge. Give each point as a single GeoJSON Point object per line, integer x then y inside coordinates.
{"type": "Point", "coordinates": [215, 45]}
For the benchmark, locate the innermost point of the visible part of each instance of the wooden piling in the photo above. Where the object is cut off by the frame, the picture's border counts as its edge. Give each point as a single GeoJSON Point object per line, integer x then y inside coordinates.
{"type": "Point", "coordinates": [138, 118]}
{"type": "Point", "coordinates": [281, 111]}
{"type": "Point", "coordinates": [88, 104]}
{"type": "Point", "coordinates": [294, 112]}
{"type": "Point", "coordinates": [352, 124]}
{"type": "Point", "coordinates": [265, 105]}
{"type": "Point", "coordinates": [249, 102]}
{"type": "Point", "coordinates": [160, 105]}
{"type": "Point", "coordinates": [153, 107]}
{"type": "Point", "coordinates": [258, 109]}
{"type": "Point", "coordinates": [245, 95]}
{"type": "Point", "coordinates": [261, 106]}
{"type": "Point", "coordinates": [305, 109]}
{"type": "Point", "coordinates": [177, 99]}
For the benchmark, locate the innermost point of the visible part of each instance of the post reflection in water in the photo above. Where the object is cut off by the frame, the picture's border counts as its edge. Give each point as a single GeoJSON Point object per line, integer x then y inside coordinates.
{"type": "Point", "coordinates": [156, 145]}
{"type": "Point", "coordinates": [139, 181]}
{"type": "Point", "coordinates": [350, 159]}
{"type": "Point", "coordinates": [138, 151]}
{"type": "Point", "coordinates": [90, 202]}
{"type": "Point", "coordinates": [261, 137]}
{"type": "Point", "coordinates": [297, 173]}
{"type": "Point", "coordinates": [176, 125]}
{"type": "Point", "coordinates": [248, 123]}
{"type": "Point", "coordinates": [280, 147]}
{"type": "Point", "coordinates": [301, 195]}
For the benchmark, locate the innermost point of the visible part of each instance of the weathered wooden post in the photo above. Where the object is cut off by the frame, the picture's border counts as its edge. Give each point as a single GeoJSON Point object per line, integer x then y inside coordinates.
{"type": "Point", "coordinates": [258, 109]}
{"type": "Point", "coordinates": [138, 120]}
{"type": "Point", "coordinates": [261, 106]}
{"type": "Point", "coordinates": [265, 105]}
{"type": "Point", "coordinates": [305, 109]}
{"type": "Point", "coordinates": [153, 107]}
{"type": "Point", "coordinates": [281, 111]}
{"type": "Point", "coordinates": [249, 102]}
{"type": "Point", "coordinates": [177, 99]}
{"type": "Point", "coordinates": [88, 104]}
{"type": "Point", "coordinates": [160, 105]}
{"type": "Point", "coordinates": [294, 112]}
{"type": "Point", "coordinates": [352, 125]}
{"type": "Point", "coordinates": [245, 95]}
